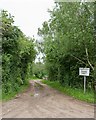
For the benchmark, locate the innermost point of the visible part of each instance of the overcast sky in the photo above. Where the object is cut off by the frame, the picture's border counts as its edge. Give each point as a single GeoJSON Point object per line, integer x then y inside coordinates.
{"type": "Point", "coordinates": [29, 14]}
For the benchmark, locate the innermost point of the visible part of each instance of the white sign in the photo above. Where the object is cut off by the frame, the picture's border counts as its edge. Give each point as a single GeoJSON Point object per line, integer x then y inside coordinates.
{"type": "Point", "coordinates": [84, 71]}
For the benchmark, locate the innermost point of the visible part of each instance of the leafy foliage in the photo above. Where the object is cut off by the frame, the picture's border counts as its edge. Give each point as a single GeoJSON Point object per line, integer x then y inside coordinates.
{"type": "Point", "coordinates": [18, 54]}
{"type": "Point", "coordinates": [69, 43]}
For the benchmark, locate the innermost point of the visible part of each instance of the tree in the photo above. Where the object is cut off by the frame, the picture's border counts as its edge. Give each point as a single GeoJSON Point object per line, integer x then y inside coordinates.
{"type": "Point", "coordinates": [17, 54]}
{"type": "Point", "coordinates": [68, 42]}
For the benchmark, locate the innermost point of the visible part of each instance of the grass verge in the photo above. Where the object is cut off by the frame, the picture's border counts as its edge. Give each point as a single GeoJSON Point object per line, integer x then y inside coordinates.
{"type": "Point", "coordinates": [13, 94]}
{"type": "Point", "coordinates": [0, 93]}
{"type": "Point", "coordinates": [74, 92]}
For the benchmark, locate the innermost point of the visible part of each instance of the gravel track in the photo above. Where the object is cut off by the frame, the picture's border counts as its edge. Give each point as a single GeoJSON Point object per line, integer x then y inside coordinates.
{"type": "Point", "coordinates": [41, 101]}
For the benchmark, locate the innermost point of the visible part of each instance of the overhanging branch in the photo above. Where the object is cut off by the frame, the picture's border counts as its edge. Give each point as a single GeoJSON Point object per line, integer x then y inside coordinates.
{"type": "Point", "coordinates": [78, 59]}
{"type": "Point", "coordinates": [88, 59]}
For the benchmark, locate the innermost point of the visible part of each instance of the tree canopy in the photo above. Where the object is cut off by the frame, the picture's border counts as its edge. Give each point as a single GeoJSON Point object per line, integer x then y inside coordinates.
{"type": "Point", "coordinates": [69, 43]}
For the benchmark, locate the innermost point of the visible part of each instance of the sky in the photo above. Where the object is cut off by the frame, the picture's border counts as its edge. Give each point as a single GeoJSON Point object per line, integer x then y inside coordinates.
{"type": "Point", "coordinates": [28, 14]}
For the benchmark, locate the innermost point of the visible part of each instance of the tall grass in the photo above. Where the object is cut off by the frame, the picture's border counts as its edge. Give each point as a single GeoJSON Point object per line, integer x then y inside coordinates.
{"type": "Point", "coordinates": [6, 97]}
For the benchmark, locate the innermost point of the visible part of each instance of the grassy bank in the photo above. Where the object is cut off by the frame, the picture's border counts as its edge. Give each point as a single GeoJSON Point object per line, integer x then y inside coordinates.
{"type": "Point", "coordinates": [6, 97]}
{"type": "Point", "coordinates": [76, 93]}
{"type": "Point", "coordinates": [0, 93]}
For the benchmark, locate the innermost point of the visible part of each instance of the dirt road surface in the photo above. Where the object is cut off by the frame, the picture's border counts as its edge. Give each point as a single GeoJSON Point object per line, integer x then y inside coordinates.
{"type": "Point", "coordinates": [41, 101]}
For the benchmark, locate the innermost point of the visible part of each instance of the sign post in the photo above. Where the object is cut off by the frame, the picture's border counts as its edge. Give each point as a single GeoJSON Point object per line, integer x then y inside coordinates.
{"type": "Point", "coordinates": [84, 72]}
{"type": "Point", "coordinates": [84, 84]}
